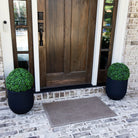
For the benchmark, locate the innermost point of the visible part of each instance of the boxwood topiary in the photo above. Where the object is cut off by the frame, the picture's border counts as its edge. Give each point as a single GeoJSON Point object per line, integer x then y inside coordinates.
{"type": "Point", "coordinates": [19, 80]}
{"type": "Point", "coordinates": [118, 71]}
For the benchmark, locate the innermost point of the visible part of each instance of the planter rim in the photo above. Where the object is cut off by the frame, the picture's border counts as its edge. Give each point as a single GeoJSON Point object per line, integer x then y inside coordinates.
{"type": "Point", "coordinates": [28, 91]}
{"type": "Point", "coordinates": [116, 80]}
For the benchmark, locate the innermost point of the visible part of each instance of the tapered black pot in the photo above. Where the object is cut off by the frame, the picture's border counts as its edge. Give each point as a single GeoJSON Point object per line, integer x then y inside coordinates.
{"type": "Point", "coordinates": [116, 89]}
{"type": "Point", "coordinates": [20, 102]}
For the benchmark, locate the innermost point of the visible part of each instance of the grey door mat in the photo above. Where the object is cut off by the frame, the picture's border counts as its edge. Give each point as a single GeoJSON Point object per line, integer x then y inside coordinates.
{"type": "Point", "coordinates": [75, 111]}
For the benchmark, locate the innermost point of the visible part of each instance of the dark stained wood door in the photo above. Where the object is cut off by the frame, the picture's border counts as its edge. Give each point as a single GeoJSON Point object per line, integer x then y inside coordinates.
{"type": "Point", "coordinates": [68, 41]}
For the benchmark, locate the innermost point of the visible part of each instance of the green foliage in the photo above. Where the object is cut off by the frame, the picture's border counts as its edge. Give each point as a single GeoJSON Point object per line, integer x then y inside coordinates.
{"type": "Point", "coordinates": [109, 1]}
{"type": "Point", "coordinates": [118, 71]}
{"type": "Point", "coordinates": [19, 80]}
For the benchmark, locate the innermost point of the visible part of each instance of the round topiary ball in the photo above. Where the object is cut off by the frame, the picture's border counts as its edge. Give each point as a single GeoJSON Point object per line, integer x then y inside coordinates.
{"type": "Point", "coordinates": [19, 80]}
{"type": "Point", "coordinates": [118, 71]}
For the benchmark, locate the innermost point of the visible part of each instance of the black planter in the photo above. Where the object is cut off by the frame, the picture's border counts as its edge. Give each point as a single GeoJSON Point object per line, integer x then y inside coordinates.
{"type": "Point", "coordinates": [116, 89]}
{"type": "Point", "coordinates": [20, 102]}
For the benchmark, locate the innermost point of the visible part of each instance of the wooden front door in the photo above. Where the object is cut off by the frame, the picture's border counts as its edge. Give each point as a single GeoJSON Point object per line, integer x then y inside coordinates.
{"type": "Point", "coordinates": [68, 32]}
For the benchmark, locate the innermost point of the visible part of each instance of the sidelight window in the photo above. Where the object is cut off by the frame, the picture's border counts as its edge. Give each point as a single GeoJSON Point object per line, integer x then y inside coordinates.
{"type": "Point", "coordinates": [107, 37]}
{"type": "Point", "coordinates": [21, 25]}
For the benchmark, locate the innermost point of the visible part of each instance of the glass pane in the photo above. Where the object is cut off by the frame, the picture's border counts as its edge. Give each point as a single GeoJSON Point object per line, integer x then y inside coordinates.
{"type": "Point", "coordinates": [103, 60]}
{"type": "Point", "coordinates": [108, 15]}
{"type": "Point", "coordinates": [106, 38]}
{"type": "Point", "coordinates": [109, 1]}
{"type": "Point", "coordinates": [20, 12]}
{"type": "Point", "coordinates": [23, 61]}
{"type": "Point", "coordinates": [22, 39]}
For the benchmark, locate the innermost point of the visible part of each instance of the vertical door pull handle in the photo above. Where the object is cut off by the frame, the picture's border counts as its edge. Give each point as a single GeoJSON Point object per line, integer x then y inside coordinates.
{"type": "Point", "coordinates": [40, 29]}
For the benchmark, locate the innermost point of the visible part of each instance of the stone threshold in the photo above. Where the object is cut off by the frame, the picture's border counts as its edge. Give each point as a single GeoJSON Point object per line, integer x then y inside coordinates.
{"type": "Point", "coordinates": [48, 97]}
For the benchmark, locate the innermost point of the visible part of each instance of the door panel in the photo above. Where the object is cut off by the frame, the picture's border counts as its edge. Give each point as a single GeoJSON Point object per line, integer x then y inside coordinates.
{"type": "Point", "coordinates": [69, 29]}
{"type": "Point", "coordinates": [79, 34]}
{"type": "Point", "coordinates": [55, 36]}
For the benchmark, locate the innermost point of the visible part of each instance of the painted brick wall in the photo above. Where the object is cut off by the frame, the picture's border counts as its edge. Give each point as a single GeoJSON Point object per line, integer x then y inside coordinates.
{"type": "Point", "coordinates": [2, 80]}
{"type": "Point", "coordinates": [131, 44]}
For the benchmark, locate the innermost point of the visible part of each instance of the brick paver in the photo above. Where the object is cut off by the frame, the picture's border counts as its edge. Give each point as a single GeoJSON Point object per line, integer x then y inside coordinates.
{"type": "Point", "coordinates": [35, 124]}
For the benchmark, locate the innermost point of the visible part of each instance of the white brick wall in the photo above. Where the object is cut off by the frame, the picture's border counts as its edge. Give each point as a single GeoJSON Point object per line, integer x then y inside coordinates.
{"type": "Point", "coordinates": [131, 45]}
{"type": "Point", "coordinates": [2, 80]}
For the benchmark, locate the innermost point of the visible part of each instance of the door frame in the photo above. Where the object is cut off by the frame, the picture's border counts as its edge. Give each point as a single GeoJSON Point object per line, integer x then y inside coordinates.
{"type": "Point", "coordinates": [6, 41]}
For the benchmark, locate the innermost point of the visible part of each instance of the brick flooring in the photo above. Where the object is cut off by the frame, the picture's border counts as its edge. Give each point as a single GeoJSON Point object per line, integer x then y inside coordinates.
{"type": "Point", "coordinates": [35, 123]}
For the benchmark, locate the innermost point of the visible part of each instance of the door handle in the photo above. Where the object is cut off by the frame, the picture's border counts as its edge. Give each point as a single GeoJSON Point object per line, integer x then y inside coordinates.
{"type": "Point", "coordinates": [40, 29]}
{"type": "Point", "coordinates": [41, 37]}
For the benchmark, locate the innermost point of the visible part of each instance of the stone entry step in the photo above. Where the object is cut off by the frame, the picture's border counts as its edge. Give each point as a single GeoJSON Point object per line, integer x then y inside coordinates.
{"type": "Point", "coordinates": [69, 94]}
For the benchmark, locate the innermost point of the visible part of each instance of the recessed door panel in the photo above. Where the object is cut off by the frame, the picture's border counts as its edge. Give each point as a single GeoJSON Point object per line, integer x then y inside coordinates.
{"type": "Point", "coordinates": [79, 34]}
{"type": "Point", "coordinates": [55, 36]}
